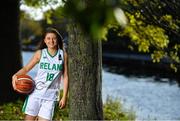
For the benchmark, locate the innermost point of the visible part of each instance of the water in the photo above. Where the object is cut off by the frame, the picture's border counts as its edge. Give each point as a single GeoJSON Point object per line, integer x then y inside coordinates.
{"type": "Point", "coordinates": [148, 98]}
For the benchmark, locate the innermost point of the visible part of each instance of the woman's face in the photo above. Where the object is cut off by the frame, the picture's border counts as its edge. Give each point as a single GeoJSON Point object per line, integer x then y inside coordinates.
{"type": "Point", "coordinates": [51, 40]}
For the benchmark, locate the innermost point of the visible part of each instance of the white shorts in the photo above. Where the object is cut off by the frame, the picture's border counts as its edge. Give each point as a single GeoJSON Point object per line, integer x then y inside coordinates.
{"type": "Point", "coordinates": [39, 107]}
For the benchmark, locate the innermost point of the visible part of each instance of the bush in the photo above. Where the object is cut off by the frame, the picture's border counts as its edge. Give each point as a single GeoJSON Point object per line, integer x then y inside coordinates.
{"type": "Point", "coordinates": [113, 110]}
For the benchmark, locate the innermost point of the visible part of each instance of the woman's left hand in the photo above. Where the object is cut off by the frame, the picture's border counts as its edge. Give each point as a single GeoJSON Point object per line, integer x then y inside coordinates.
{"type": "Point", "coordinates": [62, 103]}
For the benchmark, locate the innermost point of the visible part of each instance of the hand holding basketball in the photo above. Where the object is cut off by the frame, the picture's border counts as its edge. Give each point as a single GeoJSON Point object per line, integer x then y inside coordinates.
{"type": "Point", "coordinates": [23, 84]}
{"type": "Point", "coordinates": [14, 78]}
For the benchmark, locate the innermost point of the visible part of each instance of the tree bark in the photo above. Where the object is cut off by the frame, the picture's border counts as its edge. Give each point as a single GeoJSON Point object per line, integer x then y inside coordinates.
{"type": "Point", "coordinates": [11, 59]}
{"type": "Point", "coordinates": [85, 78]}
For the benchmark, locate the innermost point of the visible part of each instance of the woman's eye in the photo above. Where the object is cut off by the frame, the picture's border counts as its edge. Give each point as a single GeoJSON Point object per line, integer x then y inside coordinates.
{"type": "Point", "coordinates": [48, 38]}
{"type": "Point", "coordinates": [54, 38]}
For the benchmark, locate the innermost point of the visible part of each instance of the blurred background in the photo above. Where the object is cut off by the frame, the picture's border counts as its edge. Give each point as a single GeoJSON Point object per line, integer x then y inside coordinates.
{"type": "Point", "coordinates": [140, 61]}
{"type": "Point", "coordinates": [150, 89]}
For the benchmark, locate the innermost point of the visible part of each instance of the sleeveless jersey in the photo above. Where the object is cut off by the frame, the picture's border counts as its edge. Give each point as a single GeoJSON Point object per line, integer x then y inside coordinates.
{"type": "Point", "coordinates": [49, 75]}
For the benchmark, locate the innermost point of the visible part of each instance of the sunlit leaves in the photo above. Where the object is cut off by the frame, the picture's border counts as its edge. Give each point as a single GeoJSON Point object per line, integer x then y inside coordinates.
{"type": "Point", "coordinates": [133, 2]}
{"type": "Point", "coordinates": [47, 16]}
{"type": "Point", "coordinates": [169, 21]}
{"type": "Point", "coordinates": [157, 55]}
{"type": "Point", "coordinates": [174, 67]}
{"type": "Point", "coordinates": [157, 36]}
{"type": "Point", "coordinates": [176, 47]}
{"type": "Point", "coordinates": [39, 3]}
{"type": "Point", "coordinates": [174, 56]}
{"type": "Point", "coordinates": [145, 36]}
{"type": "Point", "coordinates": [154, 27]}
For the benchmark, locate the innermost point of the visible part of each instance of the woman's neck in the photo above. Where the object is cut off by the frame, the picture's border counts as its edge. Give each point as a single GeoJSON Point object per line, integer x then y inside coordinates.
{"type": "Point", "coordinates": [52, 51]}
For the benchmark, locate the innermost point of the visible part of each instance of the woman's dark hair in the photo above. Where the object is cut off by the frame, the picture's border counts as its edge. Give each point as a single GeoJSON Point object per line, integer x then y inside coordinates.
{"type": "Point", "coordinates": [51, 30]}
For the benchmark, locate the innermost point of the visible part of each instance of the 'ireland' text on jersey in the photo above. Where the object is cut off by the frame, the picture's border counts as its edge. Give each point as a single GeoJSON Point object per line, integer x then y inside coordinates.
{"type": "Point", "coordinates": [48, 66]}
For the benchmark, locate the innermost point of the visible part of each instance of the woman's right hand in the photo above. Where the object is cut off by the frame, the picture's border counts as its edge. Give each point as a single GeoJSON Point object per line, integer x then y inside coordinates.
{"type": "Point", "coordinates": [14, 79]}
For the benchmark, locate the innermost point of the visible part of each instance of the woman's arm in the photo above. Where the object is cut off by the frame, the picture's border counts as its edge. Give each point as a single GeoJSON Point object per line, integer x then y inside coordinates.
{"type": "Point", "coordinates": [34, 60]}
{"type": "Point", "coordinates": [65, 76]}
{"type": "Point", "coordinates": [65, 82]}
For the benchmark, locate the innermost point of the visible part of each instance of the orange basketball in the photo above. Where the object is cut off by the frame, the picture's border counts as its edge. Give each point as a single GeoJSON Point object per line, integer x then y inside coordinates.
{"type": "Point", "coordinates": [24, 84]}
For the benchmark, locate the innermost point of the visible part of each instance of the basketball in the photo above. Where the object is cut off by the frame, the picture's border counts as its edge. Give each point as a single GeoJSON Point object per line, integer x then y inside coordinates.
{"type": "Point", "coordinates": [24, 84]}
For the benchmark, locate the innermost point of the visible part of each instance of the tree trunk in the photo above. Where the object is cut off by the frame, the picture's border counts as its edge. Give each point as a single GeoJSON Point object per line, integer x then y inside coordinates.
{"type": "Point", "coordinates": [10, 48]}
{"type": "Point", "coordinates": [85, 68]}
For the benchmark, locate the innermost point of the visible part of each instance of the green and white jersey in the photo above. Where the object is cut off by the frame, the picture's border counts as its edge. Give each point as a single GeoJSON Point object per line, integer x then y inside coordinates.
{"type": "Point", "coordinates": [49, 75]}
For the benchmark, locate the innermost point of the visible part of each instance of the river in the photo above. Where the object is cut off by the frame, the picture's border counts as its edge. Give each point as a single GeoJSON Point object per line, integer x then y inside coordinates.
{"type": "Point", "coordinates": [149, 99]}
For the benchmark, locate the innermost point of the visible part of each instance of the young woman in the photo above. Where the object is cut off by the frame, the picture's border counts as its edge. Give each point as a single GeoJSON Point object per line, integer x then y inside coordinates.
{"type": "Point", "coordinates": [52, 65]}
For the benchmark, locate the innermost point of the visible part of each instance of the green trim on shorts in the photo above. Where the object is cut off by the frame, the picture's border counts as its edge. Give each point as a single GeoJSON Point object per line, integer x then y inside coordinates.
{"type": "Point", "coordinates": [54, 108]}
{"type": "Point", "coordinates": [25, 104]}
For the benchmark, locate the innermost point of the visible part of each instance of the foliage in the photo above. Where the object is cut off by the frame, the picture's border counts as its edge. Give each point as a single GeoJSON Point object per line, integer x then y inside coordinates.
{"type": "Point", "coordinates": [154, 27]}
{"type": "Point", "coordinates": [31, 32]}
{"type": "Point", "coordinates": [39, 3]}
{"type": "Point", "coordinates": [95, 17]}
{"type": "Point", "coordinates": [112, 111]}
{"type": "Point", "coordinates": [148, 38]}
{"type": "Point", "coordinates": [29, 27]}
{"type": "Point", "coordinates": [11, 111]}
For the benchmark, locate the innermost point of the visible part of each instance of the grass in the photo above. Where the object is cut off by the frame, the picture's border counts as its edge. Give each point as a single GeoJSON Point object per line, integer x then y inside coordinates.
{"type": "Point", "coordinates": [113, 110]}
{"type": "Point", "coordinates": [11, 111]}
